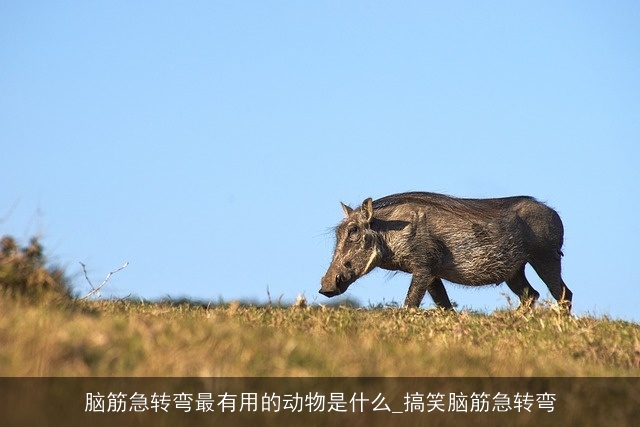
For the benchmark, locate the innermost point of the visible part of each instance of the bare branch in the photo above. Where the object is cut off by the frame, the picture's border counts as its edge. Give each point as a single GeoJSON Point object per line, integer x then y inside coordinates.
{"type": "Point", "coordinates": [96, 290]}
{"type": "Point", "coordinates": [84, 268]}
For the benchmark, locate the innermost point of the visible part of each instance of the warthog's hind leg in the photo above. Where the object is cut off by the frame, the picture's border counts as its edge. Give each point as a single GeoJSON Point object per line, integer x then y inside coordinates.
{"type": "Point", "coordinates": [549, 271]}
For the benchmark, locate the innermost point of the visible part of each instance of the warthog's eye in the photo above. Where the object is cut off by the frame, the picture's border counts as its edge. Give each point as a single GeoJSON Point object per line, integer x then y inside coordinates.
{"type": "Point", "coordinates": [353, 233]}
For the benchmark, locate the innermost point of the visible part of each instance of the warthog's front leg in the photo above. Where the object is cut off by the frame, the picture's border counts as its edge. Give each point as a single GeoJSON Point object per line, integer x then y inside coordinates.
{"type": "Point", "coordinates": [420, 284]}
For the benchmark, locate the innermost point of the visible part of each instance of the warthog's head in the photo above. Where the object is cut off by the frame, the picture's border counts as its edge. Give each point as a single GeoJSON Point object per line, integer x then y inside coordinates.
{"type": "Point", "coordinates": [356, 251]}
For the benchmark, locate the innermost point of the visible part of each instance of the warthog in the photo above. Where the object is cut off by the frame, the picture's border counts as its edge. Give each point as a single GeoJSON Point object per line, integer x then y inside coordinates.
{"type": "Point", "coordinates": [471, 242]}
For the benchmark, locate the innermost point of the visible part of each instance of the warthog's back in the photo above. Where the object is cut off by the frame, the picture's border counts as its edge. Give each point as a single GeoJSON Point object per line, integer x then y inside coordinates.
{"type": "Point", "coordinates": [469, 208]}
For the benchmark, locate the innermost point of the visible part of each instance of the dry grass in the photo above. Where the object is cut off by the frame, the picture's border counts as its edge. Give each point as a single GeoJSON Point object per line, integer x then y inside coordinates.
{"type": "Point", "coordinates": [126, 338]}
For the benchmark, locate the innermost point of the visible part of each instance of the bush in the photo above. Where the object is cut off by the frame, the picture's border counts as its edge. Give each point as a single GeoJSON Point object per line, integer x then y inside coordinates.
{"type": "Point", "coordinates": [24, 273]}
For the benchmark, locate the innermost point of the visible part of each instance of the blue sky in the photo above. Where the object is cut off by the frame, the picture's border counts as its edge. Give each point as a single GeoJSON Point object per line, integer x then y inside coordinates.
{"type": "Point", "coordinates": [210, 143]}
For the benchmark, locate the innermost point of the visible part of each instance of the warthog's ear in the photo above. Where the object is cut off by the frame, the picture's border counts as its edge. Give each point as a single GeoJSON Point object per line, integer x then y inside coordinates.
{"type": "Point", "coordinates": [367, 209]}
{"type": "Point", "coordinates": [347, 210]}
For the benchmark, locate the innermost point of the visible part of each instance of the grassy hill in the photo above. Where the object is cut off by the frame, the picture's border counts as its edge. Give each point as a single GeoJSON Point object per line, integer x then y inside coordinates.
{"type": "Point", "coordinates": [128, 338]}
{"type": "Point", "coordinates": [328, 349]}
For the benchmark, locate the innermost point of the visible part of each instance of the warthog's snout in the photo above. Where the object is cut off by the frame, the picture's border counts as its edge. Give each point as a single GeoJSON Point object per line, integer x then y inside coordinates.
{"type": "Point", "coordinates": [330, 292]}
{"type": "Point", "coordinates": [334, 284]}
